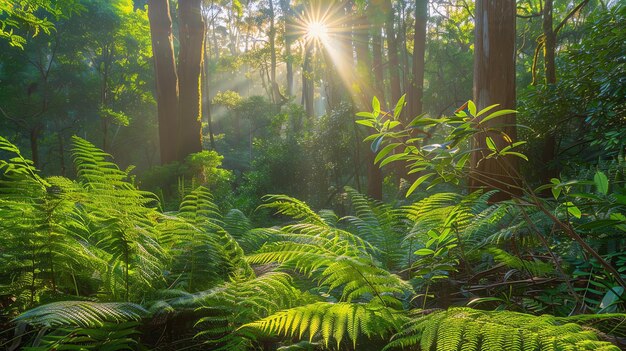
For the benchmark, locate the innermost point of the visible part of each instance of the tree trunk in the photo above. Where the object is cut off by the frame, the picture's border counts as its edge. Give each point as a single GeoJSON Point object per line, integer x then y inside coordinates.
{"type": "Point", "coordinates": [190, 57]}
{"type": "Point", "coordinates": [494, 83]}
{"type": "Point", "coordinates": [416, 87]}
{"type": "Point", "coordinates": [166, 78]}
{"type": "Point", "coordinates": [288, 36]}
{"type": "Point", "coordinates": [549, 52]}
{"type": "Point", "coordinates": [307, 81]}
{"type": "Point", "coordinates": [363, 80]}
{"type": "Point", "coordinates": [272, 42]}
{"type": "Point", "coordinates": [392, 48]}
{"type": "Point", "coordinates": [34, 145]}
{"type": "Point", "coordinates": [377, 57]}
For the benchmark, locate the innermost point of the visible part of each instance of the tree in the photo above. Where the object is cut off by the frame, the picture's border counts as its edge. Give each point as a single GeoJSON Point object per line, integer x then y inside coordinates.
{"type": "Point", "coordinates": [415, 91]}
{"type": "Point", "coordinates": [494, 83]}
{"type": "Point", "coordinates": [32, 15]}
{"type": "Point", "coordinates": [178, 91]}
{"type": "Point", "coordinates": [190, 58]}
{"type": "Point", "coordinates": [166, 78]}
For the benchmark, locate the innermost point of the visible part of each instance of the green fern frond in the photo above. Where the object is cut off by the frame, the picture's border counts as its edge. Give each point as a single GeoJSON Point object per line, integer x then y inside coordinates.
{"type": "Point", "coordinates": [381, 226]}
{"type": "Point", "coordinates": [292, 207]}
{"type": "Point", "coordinates": [535, 268]}
{"type": "Point", "coordinates": [474, 330]}
{"type": "Point", "coordinates": [330, 322]}
{"type": "Point", "coordinates": [81, 314]}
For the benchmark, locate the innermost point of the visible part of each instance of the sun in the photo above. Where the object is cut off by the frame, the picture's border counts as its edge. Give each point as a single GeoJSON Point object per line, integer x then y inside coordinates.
{"type": "Point", "coordinates": [316, 30]}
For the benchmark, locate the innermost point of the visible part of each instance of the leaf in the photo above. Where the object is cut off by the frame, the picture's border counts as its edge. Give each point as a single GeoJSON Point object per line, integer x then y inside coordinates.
{"type": "Point", "coordinates": [496, 114]}
{"type": "Point", "coordinates": [471, 106]}
{"type": "Point", "coordinates": [424, 252]}
{"type": "Point", "coordinates": [602, 182]}
{"type": "Point", "coordinates": [365, 114]}
{"type": "Point", "coordinates": [365, 122]}
{"type": "Point", "coordinates": [520, 155]}
{"type": "Point", "coordinates": [376, 143]}
{"type": "Point", "coordinates": [375, 106]}
{"type": "Point", "coordinates": [399, 105]}
{"type": "Point", "coordinates": [612, 297]}
{"type": "Point", "coordinates": [417, 183]}
{"type": "Point", "coordinates": [491, 144]}
{"type": "Point", "coordinates": [573, 210]}
{"type": "Point", "coordinates": [385, 151]}
{"type": "Point", "coordinates": [486, 109]}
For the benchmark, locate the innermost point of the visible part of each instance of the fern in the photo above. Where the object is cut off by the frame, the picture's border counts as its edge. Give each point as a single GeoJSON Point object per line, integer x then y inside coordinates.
{"type": "Point", "coordinates": [381, 226]}
{"type": "Point", "coordinates": [109, 336]}
{"type": "Point", "coordinates": [474, 330]}
{"type": "Point", "coordinates": [330, 322]}
{"type": "Point", "coordinates": [241, 301]}
{"type": "Point", "coordinates": [81, 314]}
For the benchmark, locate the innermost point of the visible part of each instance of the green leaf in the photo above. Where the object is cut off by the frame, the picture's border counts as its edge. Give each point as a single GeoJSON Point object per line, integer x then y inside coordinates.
{"type": "Point", "coordinates": [520, 155]}
{"type": "Point", "coordinates": [399, 105]}
{"type": "Point", "coordinates": [375, 106]}
{"type": "Point", "coordinates": [366, 122]}
{"type": "Point", "coordinates": [471, 106]}
{"type": "Point", "coordinates": [365, 114]}
{"type": "Point", "coordinates": [491, 144]}
{"type": "Point", "coordinates": [392, 158]}
{"type": "Point", "coordinates": [602, 182]}
{"type": "Point", "coordinates": [496, 114]}
{"type": "Point", "coordinates": [385, 151]}
{"type": "Point", "coordinates": [486, 109]}
{"type": "Point", "coordinates": [424, 252]}
{"type": "Point", "coordinates": [573, 210]}
{"type": "Point", "coordinates": [417, 183]}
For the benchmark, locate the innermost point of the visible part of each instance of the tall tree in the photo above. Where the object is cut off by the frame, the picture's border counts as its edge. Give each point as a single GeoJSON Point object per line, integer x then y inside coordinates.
{"type": "Point", "coordinates": [285, 6]}
{"type": "Point", "coordinates": [190, 57]}
{"type": "Point", "coordinates": [415, 91]}
{"type": "Point", "coordinates": [166, 78]}
{"type": "Point", "coordinates": [392, 52]}
{"type": "Point", "coordinates": [494, 83]}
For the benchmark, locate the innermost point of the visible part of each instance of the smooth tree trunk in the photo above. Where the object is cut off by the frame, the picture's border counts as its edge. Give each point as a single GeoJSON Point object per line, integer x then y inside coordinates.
{"type": "Point", "coordinates": [416, 86]}
{"type": "Point", "coordinates": [276, 97]}
{"type": "Point", "coordinates": [166, 78]}
{"type": "Point", "coordinates": [190, 58]}
{"type": "Point", "coordinates": [392, 52]}
{"type": "Point", "coordinates": [307, 81]}
{"type": "Point", "coordinates": [362, 83]}
{"type": "Point", "coordinates": [377, 64]}
{"type": "Point", "coordinates": [288, 37]}
{"type": "Point", "coordinates": [494, 83]}
{"type": "Point", "coordinates": [549, 53]}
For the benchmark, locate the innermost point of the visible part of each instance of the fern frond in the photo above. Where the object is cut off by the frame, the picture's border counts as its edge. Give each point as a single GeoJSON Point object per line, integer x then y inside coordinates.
{"type": "Point", "coordinates": [292, 207]}
{"type": "Point", "coordinates": [330, 322]}
{"type": "Point", "coordinates": [81, 314]}
{"type": "Point", "coordinates": [475, 330]}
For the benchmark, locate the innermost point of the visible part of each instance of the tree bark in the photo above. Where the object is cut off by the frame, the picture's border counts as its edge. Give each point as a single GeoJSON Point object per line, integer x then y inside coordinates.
{"type": "Point", "coordinates": [392, 48]}
{"type": "Point", "coordinates": [307, 81]}
{"type": "Point", "coordinates": [494, 83]}
{"type": "Point", "coordinates": [191, 33]}
{"type": "Point", "coordinates": [377, 64]}
{"type": "Point", "coordinates": [288, 36]}
{"type": "Point", "coordinates": [276, 97]}
{"type": "Point", "coordinates": [166, 78]}
{"type": "Point", "coordinates": [549, 52]}
{"type": "Point", "coordinates": [416, 87]}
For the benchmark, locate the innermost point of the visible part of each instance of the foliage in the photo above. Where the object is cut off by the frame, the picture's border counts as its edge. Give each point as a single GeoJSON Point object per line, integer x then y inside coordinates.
{"type": "Point", "coordinates": [467, 329]}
